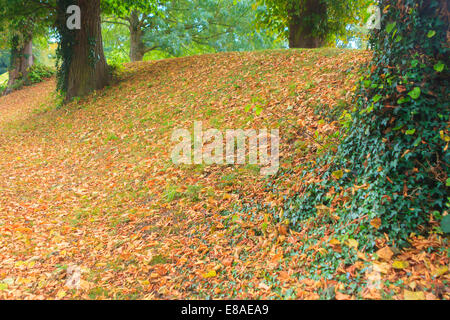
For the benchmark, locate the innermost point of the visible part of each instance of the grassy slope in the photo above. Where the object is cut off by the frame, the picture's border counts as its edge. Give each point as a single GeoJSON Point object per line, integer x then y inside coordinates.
{"type": "Point", "coordinates": [91, 184]}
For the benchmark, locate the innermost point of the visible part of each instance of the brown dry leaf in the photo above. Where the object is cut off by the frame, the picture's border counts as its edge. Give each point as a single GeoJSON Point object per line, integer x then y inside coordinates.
{"type": "Point", "coordinates": [385, 253]}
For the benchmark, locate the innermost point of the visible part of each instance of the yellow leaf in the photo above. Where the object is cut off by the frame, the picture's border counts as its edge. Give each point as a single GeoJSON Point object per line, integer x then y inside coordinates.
{"type": "Point", "coordinates": [444, 136]}
{"type": "Point", "coordinates": [61, 294]}
{"type": "Point", "coordinates": [335, 242]}
{"type": "Point", "coordinates": [399, 265]}
{"type": "Point", "coordinates": [210, 274]}
{"type": "Point", "coordinates": [441, 271]}
{"type": "Point", "coordinates": [85, 285]}
{"type": "Point", "coordinates": [338, 174]}
{"type": "Point", "coordinates": [411, 295]}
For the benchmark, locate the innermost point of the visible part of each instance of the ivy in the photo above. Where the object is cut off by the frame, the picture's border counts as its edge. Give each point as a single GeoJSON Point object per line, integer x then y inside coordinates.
{"type": "Point", "coordinates": [392, 165]}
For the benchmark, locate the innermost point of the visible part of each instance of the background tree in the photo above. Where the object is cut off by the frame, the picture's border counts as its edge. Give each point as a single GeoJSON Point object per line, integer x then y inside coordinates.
{"type": "Point", "coordinates": [136, 16]}
{"type": "Point", "coordinates": [311, 23]}
{"type": "Point", "coordinates": [20, 21]}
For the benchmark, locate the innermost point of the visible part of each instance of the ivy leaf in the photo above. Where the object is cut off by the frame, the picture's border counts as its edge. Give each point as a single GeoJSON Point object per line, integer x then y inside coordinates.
{"type": "Point", "coordinates": [390, 27]}
{"type": "Point", "coordinates": [439, 67]}
{"type": "Point", "coordinates": [445, 224]}
{"type": "Point", "coordinates": [377, 98]}
{"type": "Point", "coordinates": [415, 93]}
{"type": "Point", "coordinates": [431, 34]}
{"type": "Point", "coordinates": [410, 132]}
{"type": "Point", "coordinates": [402, 100]}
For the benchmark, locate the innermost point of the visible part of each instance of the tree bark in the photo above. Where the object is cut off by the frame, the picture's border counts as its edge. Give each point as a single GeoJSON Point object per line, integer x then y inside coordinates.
{"type": "Point", "coordinates": [301, 26]}
{"type": "Point", "coordinates": [86, 69]}
{"type": "Point", "coordinates": [21, 61]}
{"type": "Point", "coordinates": [137, 46]}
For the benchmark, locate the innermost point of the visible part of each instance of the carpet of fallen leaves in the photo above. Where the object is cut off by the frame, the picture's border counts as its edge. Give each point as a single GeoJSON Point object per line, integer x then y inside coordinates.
{"type": "Point", "coordinates": [91, 206]}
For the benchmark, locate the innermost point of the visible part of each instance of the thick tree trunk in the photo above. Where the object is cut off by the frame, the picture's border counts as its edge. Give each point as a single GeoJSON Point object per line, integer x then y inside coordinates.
{"type": "Point", "coordinates": [301, 26]}
{"type": "Point", "coordinates": [301, 37]}
{"type": "Point", "coordinates": [86, 69]}
{"type": "Point", "coordinates": [21, 60]}
{"type": "Point", "coordinates": [137, 46]}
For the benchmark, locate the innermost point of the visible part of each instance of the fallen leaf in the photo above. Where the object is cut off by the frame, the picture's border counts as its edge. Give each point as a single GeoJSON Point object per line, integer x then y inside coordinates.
{"type": "Point", "coordinates": [376, 223]}
{"type": "Point", "coordinates": [441, 271]}
{"type": "Point", "coordinates": [400, 265]}
{"type": "Point", "coordinates": [210, 274]}
{"type": "Point", "coordinates": [381, 267]}
{"type": "Point", "coordinates": [411, 295]}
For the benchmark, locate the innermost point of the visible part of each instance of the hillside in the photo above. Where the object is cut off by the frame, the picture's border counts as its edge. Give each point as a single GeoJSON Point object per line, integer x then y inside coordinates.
{"type": "Point", "coordinates": [91, 187]}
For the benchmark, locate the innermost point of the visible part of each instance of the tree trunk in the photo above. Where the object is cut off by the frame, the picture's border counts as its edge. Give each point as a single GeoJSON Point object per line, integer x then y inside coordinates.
{"type": "Point", "coordinates": [137, 46]}
{"type": "Point", "coordinates": [85, 67]}
{"type": "Point", "coordinates": [302, 26]}
{"type": "Point", "coordinates": [21, 60]}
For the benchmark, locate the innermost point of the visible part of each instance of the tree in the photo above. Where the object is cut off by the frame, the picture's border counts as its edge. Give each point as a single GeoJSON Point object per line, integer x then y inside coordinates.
{"type": "Point", "coordinates": [310, 23]}
{"type": "Point", "coordinates": [136, 15]}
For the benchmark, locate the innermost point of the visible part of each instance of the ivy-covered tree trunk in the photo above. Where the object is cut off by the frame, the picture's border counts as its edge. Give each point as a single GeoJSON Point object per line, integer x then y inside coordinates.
{"type": "Point", "coordinates": [83, 67]}
{"type": "Point", "coordinates": [137, 46]}
{"type": "Point", "coordinates": [21, 60]}
{"type": "Point", "coordinates": [303, 27]}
